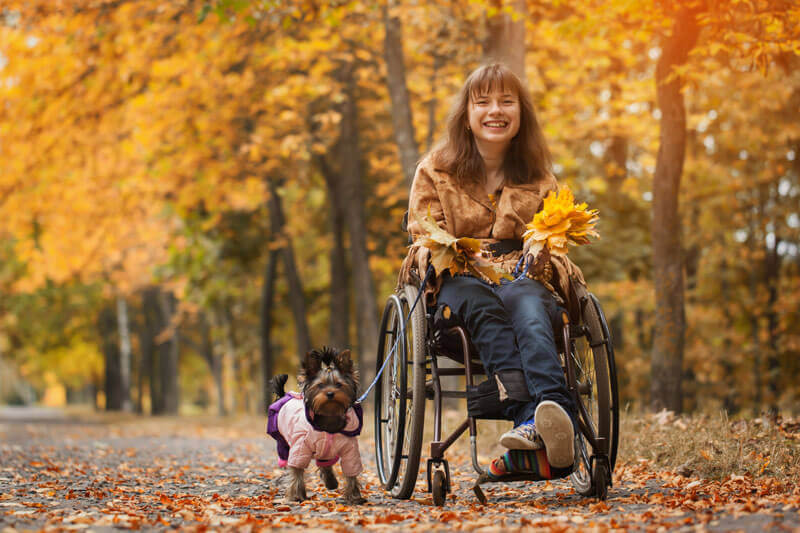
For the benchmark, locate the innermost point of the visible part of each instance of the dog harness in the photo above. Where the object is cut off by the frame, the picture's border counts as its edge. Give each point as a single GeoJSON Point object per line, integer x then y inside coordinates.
{"type": "Point", "coordinates": [299, 439]}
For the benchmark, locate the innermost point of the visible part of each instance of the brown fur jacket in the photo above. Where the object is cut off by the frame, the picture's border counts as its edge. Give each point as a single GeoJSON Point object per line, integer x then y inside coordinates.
{"type": "Point", "coordinates": [468, 212]}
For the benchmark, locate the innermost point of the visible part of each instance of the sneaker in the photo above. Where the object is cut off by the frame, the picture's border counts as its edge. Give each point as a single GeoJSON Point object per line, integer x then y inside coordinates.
{"type": "Point", "coordinates": [557, 434]}
{"type": "Point", "coordinates": [522, 437]}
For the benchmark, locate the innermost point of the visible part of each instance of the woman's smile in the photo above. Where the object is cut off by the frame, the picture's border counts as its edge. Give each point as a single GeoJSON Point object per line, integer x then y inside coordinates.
{"type": "Point", "coordinates": [494, 117]}
{"type": "Point", "coordinates": [496, 124]}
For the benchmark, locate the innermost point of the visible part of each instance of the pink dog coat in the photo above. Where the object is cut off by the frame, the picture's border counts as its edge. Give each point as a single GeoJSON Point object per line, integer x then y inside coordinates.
{"type": "Point", "coordinates": [289, 425]}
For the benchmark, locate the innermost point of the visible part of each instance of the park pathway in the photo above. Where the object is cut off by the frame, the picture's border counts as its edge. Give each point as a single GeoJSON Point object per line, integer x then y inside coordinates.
{"type": "Point", "coordinates": [108, 473]}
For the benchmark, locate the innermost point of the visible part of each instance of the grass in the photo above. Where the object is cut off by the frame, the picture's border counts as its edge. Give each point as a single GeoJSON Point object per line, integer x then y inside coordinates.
{"type": "Point", "coordinates": [712, 446]}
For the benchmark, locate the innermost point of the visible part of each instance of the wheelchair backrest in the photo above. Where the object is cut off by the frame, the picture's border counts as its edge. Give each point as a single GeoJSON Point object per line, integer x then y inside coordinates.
{"type": "Point", "coordinates": [404, 226]}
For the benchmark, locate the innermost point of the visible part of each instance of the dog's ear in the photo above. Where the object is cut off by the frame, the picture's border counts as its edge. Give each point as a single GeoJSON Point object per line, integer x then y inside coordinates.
{"type": "Point", "coordinates": [343, 362]}
{"type": "Point", "coordinates": [311, 366]}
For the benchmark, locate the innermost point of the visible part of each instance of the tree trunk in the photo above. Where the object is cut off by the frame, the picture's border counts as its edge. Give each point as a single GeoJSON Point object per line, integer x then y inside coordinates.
{"type": "Point", "coordinates": [140, 376]}
{"type": "Point", "coordinates": [136, 325]}
{"type": "Point", "coordinates": [113, 372]}
{"type": "Point", "coordinates": [339, 329]}
{"type": "Point", "coordinates": [756, 340]}
{"type": "Point", "coordinates": [670, 320]}
{"type": "Point", "coordinates": [729, 401]}
{"type": "Point", "coordinates": [433, 103]}
{"type": "Point", "coordinates": [772, 268]}
{"type": "Point", "coordinates": [267, 299]}
{"type": "Point", "coordinates": [230, 359]}
{"type": "Point", "coordinates": [297, 299]}
{"type": "Point", "coordinates": [124, 353]}
{"type": "Point", "coordinates": [398, 93]}
{"type": "Point", "coordinates": [168, 355]}
{"type": "Point", "coordinates": [148, 333]}
{"type": "Point", "coordinates": [616, 157]}
{"type": "Point", "coordinates": [214, 363]}
{"type": "Point", "coordinates": [352, 197]}
{"type": "Point", "coordinates": [505, 40]}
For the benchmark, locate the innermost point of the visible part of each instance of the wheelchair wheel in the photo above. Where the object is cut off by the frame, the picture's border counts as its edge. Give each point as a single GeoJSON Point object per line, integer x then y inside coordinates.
{"type": "Point", "coordinates": [439, 488]}
{"type": "Point", "coordinates": [400, 409]}
{"type": "Point", "coordinates": [390, 420]}
{"type": "Point", "coordinates": [612, 368]}
{"type": "Point", "coordinates": [594, 377]}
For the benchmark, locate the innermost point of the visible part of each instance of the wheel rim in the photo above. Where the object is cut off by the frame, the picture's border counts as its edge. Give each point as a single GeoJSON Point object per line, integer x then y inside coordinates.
{"type": "Point", "coordinates": [390, 420]}
{"type": "Point", "coordinates": [414, 406]}
{"type": "Point", "coordinates": [612, 374]}
{"type": "Point", "coordinates": [582, 476]}
{"type": "Point", "coordinates": [404, 405]}
{"type": "Point", "coordinates": [583, 362]}
{"type": "Point", "coordinates": [594, 394]}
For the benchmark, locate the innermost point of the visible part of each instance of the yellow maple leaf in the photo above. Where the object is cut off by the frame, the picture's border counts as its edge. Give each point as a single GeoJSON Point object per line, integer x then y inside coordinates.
{"type": "Point", "coordinates": [560, 223]}
{"type": "Point", "coordinates": [459, 255]}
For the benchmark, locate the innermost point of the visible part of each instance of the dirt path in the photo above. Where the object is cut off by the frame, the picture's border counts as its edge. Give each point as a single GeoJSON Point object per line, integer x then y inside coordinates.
{"type": "Point", "coordinates": [190, 472]}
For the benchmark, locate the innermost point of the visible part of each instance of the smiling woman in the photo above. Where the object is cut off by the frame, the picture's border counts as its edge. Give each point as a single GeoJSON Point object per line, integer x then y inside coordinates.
{"type": "Point", "coordinates": [485, 180]}
{"type": "Point", "coordinates": [493, 132]}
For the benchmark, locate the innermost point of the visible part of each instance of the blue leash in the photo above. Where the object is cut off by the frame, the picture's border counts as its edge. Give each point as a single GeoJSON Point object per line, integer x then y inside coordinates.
{"type": "Point", "coordinates": [401, 336]}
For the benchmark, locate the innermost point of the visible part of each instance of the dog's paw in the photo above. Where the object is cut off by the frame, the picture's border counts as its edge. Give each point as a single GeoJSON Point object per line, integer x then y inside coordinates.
{"type": "Point", "coordinates": [328, 478]}
{"type": "Point", "coordinates": [295, 495]}
{"type": "Point", "coordinates": [352, 492]}
{"type": "Point", "coordinates": [294, 498]}
{"type": "Point", "coordinates": [356, 499]}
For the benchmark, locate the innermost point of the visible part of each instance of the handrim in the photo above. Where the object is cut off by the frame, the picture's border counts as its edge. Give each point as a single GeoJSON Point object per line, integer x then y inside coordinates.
{"type": "Point", "coordinates": [593, 367]}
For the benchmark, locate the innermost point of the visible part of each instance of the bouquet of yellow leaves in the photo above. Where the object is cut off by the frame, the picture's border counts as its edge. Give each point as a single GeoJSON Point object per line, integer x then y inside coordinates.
{"type": "Point", "coordinates": [459, 255]}
{"type": "Point", "coordinates": [559, 224]}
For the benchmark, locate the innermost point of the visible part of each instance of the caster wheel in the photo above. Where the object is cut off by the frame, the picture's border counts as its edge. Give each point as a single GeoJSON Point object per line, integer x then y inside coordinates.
{"type": "Point", "coordinates": [439, 488]}
{"type": "Point", "coordinates": [600, 479]}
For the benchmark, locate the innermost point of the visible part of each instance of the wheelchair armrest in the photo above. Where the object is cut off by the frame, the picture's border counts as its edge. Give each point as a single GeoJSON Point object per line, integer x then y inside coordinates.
{"type": "Point", "coordinates": [404, 227]}
{"type": "Point", "coordinates": [578, 297]}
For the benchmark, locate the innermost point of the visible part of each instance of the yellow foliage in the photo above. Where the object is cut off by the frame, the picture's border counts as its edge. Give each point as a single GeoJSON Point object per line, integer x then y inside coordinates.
{"type": "Point", "coordinates": [560, 222]}
{"type": "Point", "coordinates": [458, 255]}
{"type": "Point", "coordinates": [55, 394]}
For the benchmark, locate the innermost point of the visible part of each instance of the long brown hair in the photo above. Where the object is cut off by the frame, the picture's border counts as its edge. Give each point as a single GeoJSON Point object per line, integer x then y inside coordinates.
{"type": "Point", "coordinates": [527, 159]}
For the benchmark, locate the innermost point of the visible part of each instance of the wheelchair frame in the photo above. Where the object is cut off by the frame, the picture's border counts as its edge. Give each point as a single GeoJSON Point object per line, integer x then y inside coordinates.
{"type": "Point", "coordinates": [403, 389]}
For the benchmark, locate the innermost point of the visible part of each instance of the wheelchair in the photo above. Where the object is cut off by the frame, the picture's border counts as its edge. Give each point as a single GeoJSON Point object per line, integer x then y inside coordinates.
{"type": "Point", "coordinates": [412, 377]}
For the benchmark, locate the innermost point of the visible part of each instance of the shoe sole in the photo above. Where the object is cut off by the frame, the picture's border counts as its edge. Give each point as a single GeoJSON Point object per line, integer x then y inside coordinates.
{"type": "Point", "coordinates": [514, 442]}
{"type": "Point", "coordinates": [555, 428]}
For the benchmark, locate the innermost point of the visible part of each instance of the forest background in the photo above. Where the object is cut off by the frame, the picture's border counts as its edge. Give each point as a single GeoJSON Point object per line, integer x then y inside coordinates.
{"type": "Point", "coordinates": [193, 193]}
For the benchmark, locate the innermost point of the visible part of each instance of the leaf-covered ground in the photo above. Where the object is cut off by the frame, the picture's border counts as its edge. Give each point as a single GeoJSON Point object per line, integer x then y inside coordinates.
{"type": "Point", "coordinates": [58, 472]}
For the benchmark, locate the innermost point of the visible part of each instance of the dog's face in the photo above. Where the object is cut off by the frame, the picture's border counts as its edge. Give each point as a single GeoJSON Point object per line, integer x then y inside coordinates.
{"type": "Point", "coordinates": [330, 385]}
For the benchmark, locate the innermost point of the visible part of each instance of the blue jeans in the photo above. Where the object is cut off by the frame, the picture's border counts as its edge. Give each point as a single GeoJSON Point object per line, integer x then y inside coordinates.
{"type": "Point", "coordinates": [511, 326]}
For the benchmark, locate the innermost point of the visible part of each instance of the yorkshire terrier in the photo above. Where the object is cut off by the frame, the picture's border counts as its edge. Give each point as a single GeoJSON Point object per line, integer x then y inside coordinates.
{"type": "Point", "coordinates": [322, 423]}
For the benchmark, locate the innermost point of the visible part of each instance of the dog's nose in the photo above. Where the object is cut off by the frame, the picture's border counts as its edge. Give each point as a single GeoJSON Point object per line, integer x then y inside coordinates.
{"type": "Point", "coordinates": [330, 395]}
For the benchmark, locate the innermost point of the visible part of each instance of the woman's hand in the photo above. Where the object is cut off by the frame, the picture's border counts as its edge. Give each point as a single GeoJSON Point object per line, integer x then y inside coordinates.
{"type": "Point", "coordinates": [539, 267]}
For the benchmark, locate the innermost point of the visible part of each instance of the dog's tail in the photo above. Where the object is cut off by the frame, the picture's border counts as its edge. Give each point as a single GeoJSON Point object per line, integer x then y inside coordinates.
{"type": "Point", "coordinates": [277, 384]}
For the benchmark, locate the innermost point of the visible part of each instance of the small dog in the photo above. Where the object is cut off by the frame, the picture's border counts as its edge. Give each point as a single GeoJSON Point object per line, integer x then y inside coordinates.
{"type": "Point", "coordinates": [322, 424]}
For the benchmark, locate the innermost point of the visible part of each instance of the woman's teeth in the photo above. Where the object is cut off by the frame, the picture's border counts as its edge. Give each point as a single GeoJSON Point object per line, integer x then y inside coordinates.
{"type": "Point", "coordinates": [495, 124]}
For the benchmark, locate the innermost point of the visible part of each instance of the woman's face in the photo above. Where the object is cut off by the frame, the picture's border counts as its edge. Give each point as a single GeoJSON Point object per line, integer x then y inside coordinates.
{"type": "Point", "coordinates": [494, 116]}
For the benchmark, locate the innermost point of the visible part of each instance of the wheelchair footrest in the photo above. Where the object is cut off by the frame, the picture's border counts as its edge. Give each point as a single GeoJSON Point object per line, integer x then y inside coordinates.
{"type": "Point", "coordinates": [509, 478]}
{"type": "Point", "coordinates": [523, 465]}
